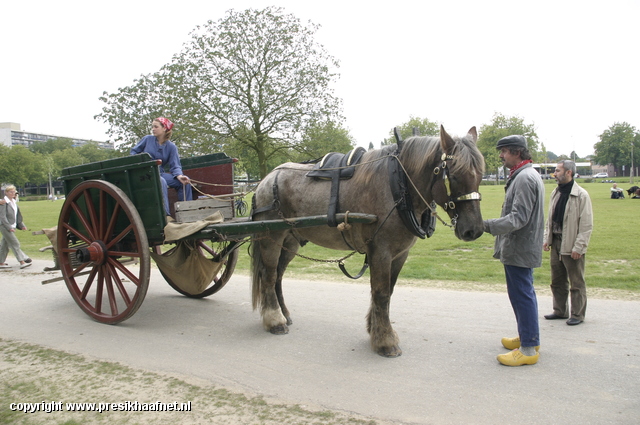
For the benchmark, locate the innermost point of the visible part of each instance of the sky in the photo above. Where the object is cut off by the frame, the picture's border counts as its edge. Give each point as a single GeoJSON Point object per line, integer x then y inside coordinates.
{"type": "Point", "coordinates": [570, 68]}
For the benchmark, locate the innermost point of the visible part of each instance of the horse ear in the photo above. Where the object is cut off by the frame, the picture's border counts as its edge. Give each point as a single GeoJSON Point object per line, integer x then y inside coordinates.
{"type": "Point", "coordinates": [446, 141]}
{"type": "Point", "coordinates": [473, 133]}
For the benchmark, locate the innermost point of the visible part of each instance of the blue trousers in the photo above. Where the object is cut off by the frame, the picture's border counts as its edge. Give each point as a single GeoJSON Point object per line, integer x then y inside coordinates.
{"type": "Point", "coordinates": [167, 181]}
{"type": "Point", "coordinates": [524, 303]}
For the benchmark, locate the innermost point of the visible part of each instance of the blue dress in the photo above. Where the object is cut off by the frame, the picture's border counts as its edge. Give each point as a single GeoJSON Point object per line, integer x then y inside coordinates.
{"type": "Point", "coordinates": [168, 154]}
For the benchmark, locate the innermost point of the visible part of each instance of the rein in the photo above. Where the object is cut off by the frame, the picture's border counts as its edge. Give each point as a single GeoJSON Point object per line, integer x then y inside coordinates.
{"type": "Point", "coordinates": [451, 203]}
{"type": "Point", "coordinates": [448, 205]}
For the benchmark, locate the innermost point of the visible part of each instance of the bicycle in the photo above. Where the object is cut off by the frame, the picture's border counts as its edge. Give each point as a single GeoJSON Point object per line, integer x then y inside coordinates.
{"type": "Point", "coordinates": [241, 206]}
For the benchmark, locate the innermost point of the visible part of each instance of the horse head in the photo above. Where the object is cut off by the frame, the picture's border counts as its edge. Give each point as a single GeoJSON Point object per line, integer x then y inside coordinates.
{"type": "Point", "coordinates": [458, 174]}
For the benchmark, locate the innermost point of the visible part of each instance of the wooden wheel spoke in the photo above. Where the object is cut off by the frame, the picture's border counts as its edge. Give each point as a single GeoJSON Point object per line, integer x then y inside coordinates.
{"type": "Point", "coordinates": [76, 232]}
{"type": "Point", "coordinates": [84, 221]}
{"type": "Point", "coordinates": [112, 222]}
{"type": "Point", "coordinates": [87, 285]}
{"type": "Point", "coordinates": [206, 247]}
{"type": "Point", "coordinates": [93, 217]}
{"type": "Point", "coordinates": [118, 282]}
{"type": "Point", "coordinates": [119, 237]}
{"type": "Point", "coordinates": [113, 305]}
{"type": "Point", "coordinates": [102, 205]}
{"type": "Point", "coordinates": [99, 290]}
{"type": "Point", "coordinates": [133, 278]}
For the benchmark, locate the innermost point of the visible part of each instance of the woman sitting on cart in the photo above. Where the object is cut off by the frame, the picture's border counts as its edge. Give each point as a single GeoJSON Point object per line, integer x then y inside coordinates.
{"type": "Point", "coordinates": [160, 147]}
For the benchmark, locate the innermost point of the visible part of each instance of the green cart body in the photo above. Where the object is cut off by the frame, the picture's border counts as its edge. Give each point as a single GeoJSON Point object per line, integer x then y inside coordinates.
{"type": "Point", "coordinates": [113, 221]}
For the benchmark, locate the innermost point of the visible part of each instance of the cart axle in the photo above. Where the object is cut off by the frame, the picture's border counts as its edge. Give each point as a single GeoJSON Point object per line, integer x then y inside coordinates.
{"type": "Point", "coordinates": [93, 253]}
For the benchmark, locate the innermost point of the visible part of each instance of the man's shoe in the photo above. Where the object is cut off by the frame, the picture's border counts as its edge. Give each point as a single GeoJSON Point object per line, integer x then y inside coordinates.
{"type": "Point", "coordinates": [513, 343]}
{"type": "Point", "coordinates": [25, 265]}
{"type": "Point", "coordinates": [516, 358]}
{"type": "Point", "coordinates": [553, 316]}
{"type": "Point", "coordinates": [573, 321]}
{"type": "Point", "coordinates": [28, 260]}
{"type": "Point", "coordinates": [5, 266]}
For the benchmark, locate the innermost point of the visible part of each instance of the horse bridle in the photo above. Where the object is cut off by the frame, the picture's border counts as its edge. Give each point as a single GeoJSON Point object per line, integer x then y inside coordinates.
{"type": "Point", "coordinates": [450, 205]}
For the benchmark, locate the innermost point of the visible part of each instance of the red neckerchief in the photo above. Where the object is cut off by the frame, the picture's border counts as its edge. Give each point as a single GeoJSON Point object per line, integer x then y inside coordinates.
{"type": "Point", "coordinates": [513, 170]}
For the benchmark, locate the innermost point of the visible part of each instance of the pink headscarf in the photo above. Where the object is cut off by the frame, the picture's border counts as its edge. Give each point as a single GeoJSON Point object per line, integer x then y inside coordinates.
{"type": "Point", "coordinates": [168, 125]}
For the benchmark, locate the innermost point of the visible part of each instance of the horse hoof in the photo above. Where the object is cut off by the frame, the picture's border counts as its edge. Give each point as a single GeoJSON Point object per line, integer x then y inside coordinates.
{"type": "Point", "coordinates": [390, 352]}
{"type": "Point", "coordinates": [279, 330]}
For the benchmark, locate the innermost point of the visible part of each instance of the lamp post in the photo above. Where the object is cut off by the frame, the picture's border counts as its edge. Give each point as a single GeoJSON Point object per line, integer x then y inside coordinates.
{"type": "Point", "coordinates": [631, 172]}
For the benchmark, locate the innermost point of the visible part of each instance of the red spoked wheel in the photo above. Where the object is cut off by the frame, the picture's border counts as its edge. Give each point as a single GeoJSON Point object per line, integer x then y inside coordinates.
{"type": "Point", "coordinates": [103, 251]}
{"type": "Point", "coordinates": [216, 252]}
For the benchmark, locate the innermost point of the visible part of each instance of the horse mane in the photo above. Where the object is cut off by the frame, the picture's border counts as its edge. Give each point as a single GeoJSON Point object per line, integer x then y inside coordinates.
{"type": "Point", "coordinates": [425, 152]}
{"type": "Point", "coordinates": [373, 163]}
{"type": "Point", "coordinates": [421, 154]}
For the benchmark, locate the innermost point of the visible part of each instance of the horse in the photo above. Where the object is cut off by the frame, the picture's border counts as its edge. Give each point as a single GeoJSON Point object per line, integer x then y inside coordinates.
{"type": "Point", "coordinates": [286, 193]}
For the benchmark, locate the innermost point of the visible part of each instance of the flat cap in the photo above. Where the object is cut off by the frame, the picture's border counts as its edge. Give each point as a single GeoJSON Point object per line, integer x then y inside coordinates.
{"type": "Point", "coordinates": [513, 140]}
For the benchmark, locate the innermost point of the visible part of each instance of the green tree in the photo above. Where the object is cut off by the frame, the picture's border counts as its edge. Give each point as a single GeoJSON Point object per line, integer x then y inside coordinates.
{"type": "Point", "coordinates": [423, 126]}
{"type": "Point", "coordinates": [502, 126]}
{"type": "Point", "coordinates": [66, 158]}
{"type": "Point", "coordinates": [257, 78]}
{"type": "Point", "coordinates": [92, 152]}
{"type": "Point", "coordinates": [130, 111]}
{"type": "Point", "coordinates": [18, 165]}
{"type": "Point", "coordinates": [322, 138]}
{"type": "Point", "coordinates": [616, 144]}
{"type": "Point", "coordinates": [51, 145]}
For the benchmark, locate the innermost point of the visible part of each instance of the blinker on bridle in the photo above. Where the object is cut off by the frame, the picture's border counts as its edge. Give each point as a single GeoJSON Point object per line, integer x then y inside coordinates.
{"type": "Point", "coordinates": [451, 204]}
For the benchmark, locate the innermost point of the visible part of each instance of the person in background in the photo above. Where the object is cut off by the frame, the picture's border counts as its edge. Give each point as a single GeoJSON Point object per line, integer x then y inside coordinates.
{"type": "Point", "coordinates": [518, 245]}
{"type": "Point", "coordinates": [158, 145]}
{"type": "Point", "coordinates": [10, 220]}
{"type": "Point", "coordinates": [567, 234]}
{"type": "Point", "coordinates": [616, 192]}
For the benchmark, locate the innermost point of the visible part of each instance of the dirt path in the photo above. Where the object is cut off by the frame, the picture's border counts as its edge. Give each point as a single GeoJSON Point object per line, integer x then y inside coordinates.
{"type": "Point", "coordinates": [215, 354]}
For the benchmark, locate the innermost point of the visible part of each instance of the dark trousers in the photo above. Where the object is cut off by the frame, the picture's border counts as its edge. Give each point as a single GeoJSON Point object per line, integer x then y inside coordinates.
{"type": "Point", "coordinates": [567, 276]}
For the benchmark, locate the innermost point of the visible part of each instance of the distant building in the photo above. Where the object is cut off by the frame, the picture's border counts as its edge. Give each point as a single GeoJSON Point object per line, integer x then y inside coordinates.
{"type": "Point", "coordinates": [547, 170]}
{"type": "Point", "coordinates": [12, 135]}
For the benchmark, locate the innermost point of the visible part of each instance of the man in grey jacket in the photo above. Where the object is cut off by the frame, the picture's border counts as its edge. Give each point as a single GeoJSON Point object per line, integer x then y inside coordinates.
{"type": "Point", "coordinates": [567, 235]}
{"type": "Point", "coordinates": [518, 245]}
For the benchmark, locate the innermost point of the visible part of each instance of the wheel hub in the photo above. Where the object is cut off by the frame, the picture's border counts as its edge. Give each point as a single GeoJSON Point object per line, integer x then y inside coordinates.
{"type": "Point", "coordinates": [96, 253]}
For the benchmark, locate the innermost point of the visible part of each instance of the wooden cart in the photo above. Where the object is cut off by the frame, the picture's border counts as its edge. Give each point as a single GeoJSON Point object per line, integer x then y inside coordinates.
{"type": "Point", "coordinates": [113, 222]}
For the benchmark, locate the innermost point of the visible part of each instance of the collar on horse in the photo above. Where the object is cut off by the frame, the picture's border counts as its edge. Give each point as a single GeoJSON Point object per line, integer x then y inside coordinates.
{"type": "Point", "coordinates": [404, 204]}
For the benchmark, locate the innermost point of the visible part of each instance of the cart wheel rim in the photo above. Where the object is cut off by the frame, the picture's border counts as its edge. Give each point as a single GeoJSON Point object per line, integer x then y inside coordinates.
{"type": "Point", "coordinates": [98, 228]}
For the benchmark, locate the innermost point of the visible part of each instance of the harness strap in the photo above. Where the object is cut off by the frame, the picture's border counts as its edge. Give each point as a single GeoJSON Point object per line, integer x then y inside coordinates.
{"type": "Point", "coordinates": [275, 205]}
{"type": "Point", "coordinates": [364, 268]}
{"type": "Point", "coordinates": [400, 192]}
{"type": "Point", "coordinates": [334, 200]}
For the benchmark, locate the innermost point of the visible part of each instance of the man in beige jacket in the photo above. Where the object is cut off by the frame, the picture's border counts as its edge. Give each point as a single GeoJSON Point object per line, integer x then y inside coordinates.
{"type": "Point", "coordinates": [567, 234]}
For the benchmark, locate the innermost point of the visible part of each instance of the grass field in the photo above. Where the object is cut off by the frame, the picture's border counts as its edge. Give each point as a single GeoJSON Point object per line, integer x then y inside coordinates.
{"type": "Point", "coordinates": [611, 259]}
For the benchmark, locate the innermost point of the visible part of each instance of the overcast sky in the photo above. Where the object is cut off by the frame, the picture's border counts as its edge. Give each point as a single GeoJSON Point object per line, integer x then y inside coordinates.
{"type": "Point", "coordinates": [568, 67]}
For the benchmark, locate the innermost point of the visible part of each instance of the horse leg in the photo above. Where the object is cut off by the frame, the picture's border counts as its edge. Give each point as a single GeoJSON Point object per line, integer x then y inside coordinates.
{"type": "Point", "coordinates": [265, 257]}
{"type": "Point", "coordinates": [291, 246]}
{"type": "Point", "coordinates": [384, 274]}
{"type": "Point", "coordinates": [396, 267]}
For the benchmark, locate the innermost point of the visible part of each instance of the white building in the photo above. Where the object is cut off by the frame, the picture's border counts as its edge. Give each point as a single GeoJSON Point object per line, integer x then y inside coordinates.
{"type": "Point", "coordinates": [11, 135]}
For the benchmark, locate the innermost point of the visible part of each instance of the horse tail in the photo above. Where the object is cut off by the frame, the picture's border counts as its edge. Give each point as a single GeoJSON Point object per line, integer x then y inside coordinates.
{"type": "Point", "coordinates": [257, 273]}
